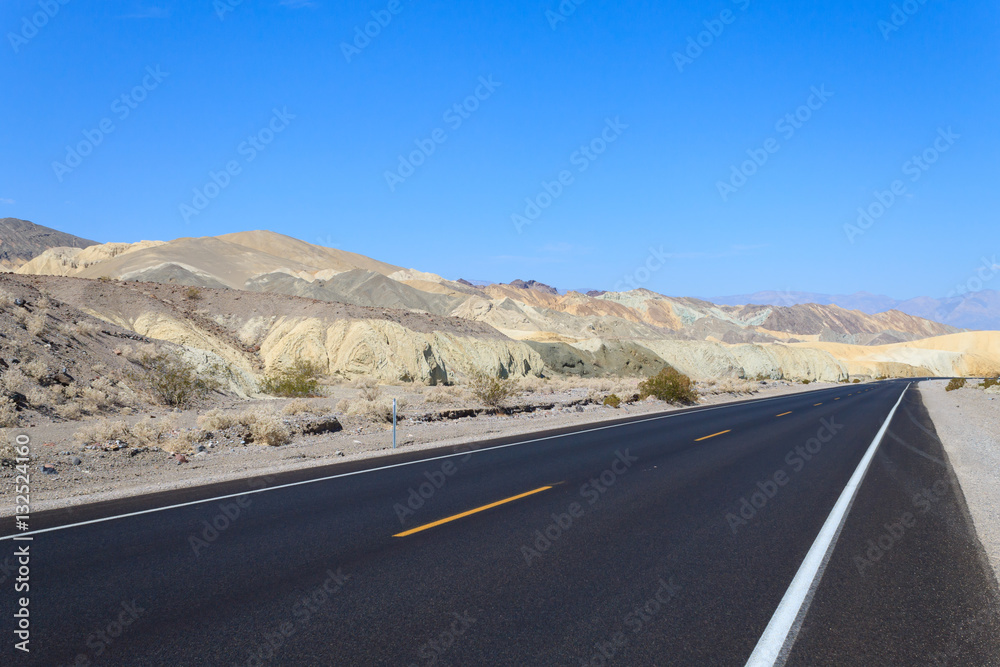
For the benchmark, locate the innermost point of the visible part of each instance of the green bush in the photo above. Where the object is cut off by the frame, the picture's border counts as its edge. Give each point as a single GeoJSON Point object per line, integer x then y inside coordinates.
{"type": "Point", "coordinates": [805, 381]}
{"type": "Point", "coordinates": [669, 385]}
{"type": "Point", "coordinates": [493, 391]}
{"type": "Point", "coordinates": [856, 381]}
{"type": "Point", "coordinates": [956, 383]}
{"type": "Point", "coordinates": [991, 382]}
{"type": "Point", "coordinates": [172, 380]}
{"type": "Point", "coordinates": [612, 400]}
{"type": "Point", "coordinates": [301, 380]}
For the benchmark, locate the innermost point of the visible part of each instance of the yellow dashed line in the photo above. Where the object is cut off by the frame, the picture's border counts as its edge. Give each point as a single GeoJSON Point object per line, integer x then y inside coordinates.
{"type": "Point", "coordinates": [465, 514]}
{"type": "Point", "coordinates": [784, 413]}
{"type": "Point", "coordinates": [815, 404]}
{"type": "Point", "coordinates": [713, 435]}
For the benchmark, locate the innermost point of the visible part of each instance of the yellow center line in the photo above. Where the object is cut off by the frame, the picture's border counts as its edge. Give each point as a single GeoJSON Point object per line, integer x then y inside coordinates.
{"type": "Point", "coordinates": [713, 435]}
{"type": "Point", "coordinates": [473, 511]}
{"type": "Point", "coordinates": [784, 413]}
{"type": "Point", "coordinates": [815, 404]}
{"type": "Point", "coordinates": [837, 399]}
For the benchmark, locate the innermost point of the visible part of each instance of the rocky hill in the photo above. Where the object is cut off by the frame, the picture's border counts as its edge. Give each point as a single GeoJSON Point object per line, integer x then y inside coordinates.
{"type": "Point", "coordinates": [21, 241]}
{"type": "Point", "coordinates": [354, 315]}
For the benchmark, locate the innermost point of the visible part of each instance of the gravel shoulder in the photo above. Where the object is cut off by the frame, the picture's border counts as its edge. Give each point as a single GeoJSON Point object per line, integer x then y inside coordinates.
{"type": "Point", "coordinates": [968, 422]}
{"type": "Point", "coordinates": [111, 473]}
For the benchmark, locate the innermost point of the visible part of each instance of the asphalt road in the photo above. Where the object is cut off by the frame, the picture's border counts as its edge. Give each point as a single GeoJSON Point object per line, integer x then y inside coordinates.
{"type": "Point", "coordinates": [658, 541]}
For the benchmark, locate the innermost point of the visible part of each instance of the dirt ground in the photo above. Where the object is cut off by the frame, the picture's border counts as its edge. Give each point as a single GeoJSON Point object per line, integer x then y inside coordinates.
{"type": "Point", "coordinates": [114, 468]}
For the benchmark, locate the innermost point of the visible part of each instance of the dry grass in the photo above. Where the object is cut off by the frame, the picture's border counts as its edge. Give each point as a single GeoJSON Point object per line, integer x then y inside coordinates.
{"type": "Point", "coordinates": [265, 427]}
{"type": "Point", "coordinates": [368, 389]}
{"type": "Point", "coordinates": [8, 412]}
{"type": "Point", "coordinates": [300, 406]}
{"type": "Point", "coordinates": [147, 431]}
{"type": "Point", "coordinates": [217, 420]}
{"type": "Point", "coordinates": [37, 323]}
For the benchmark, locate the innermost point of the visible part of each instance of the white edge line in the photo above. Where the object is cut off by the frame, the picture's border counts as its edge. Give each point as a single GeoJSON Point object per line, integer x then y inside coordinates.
{"type": "Point", "coordinates": [776, 634]}
{"type": "Point", "coordinates": [397, 465]}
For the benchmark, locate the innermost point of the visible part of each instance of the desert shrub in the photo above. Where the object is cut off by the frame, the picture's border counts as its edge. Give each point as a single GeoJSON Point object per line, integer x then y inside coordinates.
{"type": "Point", "coordinates": [379, 410]}
{"type": "Point", "coordinates": [35, 369]}
{"type": "Point", "coordinates": [37, 323]}
{"type": "Point", "coordinates": [301, 380]}
{"type": "Point", "coordinates": [299, 406]}
{"type": "Point", "coordinates": [192, 294]}
{"type": "Point", "coordinates": [216, 420]}
{"type": "Point", "coordinates": [71, 411]}
{"type": "Point", "coordinates": [956, 383]}
{"type": "Point", "coordinates": [368, 389]}
{"type": "Point", "coordinates": [103, 431]}
{"type": "Point", "coordinates": [612, 400]}
{"type": "Point", "coordinates": [443, 394]}
{"type": "Point", "coordinates": [805, 381]}
{"type": "Point", "coordinates": [669, 385]}
{"type": "Point", "coordinates": [172, 380]}
{"type": "Point", "coordinates": [8, 412]}
{"type": "Point", "coordinates": [150, 431]}
{"type": "Point", "coordinates": [267, 429]}
{"type": "Point", "coordinates": [493, 391]}
{"type": "Point", "coordinates": [991, 382]}
{"type": "Point", "coordinates": [856, 381]}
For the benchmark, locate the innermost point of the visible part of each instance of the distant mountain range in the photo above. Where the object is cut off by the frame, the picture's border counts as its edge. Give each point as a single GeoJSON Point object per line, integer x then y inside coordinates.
{"type": "Point", "coordinates": [21, 240]}
{"type": "Point", "coordinates": [971, 310]}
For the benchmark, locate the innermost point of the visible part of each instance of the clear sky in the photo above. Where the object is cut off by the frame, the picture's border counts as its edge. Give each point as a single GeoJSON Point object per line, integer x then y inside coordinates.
{"type": "Point", "coordinates": [622, 122]}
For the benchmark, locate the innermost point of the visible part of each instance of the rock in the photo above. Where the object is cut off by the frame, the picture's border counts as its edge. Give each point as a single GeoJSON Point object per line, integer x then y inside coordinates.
{"type": "Point", "coordinates": [49, 469]}
{"type": "Point", "coordinates": [180, 458]}
{"type": "Point", "coordinates": [338, 453]}
{"type": "Point", "coordinates": [77, 460]}
{"type": "Point", "coordinates": [201, 453]}
{"type": "Point", "coordinates": [322, 425]}
{"type": "Point", "coordinates": [200, 449]}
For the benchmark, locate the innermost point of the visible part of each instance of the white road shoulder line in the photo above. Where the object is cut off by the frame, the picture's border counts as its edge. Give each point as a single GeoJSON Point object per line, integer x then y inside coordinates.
{"type": "Point", "coordinates": [406, 463]}
{"type": "Point", "coordinates": [779, 635]}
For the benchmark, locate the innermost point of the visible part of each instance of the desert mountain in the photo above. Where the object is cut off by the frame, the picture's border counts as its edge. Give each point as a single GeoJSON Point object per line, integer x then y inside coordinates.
{"type": "Point", "coordinates": [978, 309]}
{"type": "Point", "coordinates": [356, 315]}
{"type": "Point", "coordinates": [21, 241]}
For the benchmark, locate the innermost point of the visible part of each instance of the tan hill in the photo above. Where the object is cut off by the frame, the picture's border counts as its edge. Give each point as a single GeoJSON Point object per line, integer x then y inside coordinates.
{"type": "Point", "coordinates": [21, 241]}
{"type": "Point", "coordinates": [393, 322]}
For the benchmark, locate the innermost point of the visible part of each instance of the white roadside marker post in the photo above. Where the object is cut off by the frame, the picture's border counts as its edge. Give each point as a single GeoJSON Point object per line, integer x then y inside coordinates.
{"type": "Point", "coordinates": [394, 423]}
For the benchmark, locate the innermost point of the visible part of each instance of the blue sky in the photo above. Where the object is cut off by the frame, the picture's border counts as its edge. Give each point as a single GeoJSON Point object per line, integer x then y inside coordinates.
{"type": "Point", "coordinates": [254, 114]}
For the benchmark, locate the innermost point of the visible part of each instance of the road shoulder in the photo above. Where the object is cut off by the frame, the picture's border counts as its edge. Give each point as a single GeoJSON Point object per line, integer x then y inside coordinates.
{"type": "Point", "coordinates": [968, 422]}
